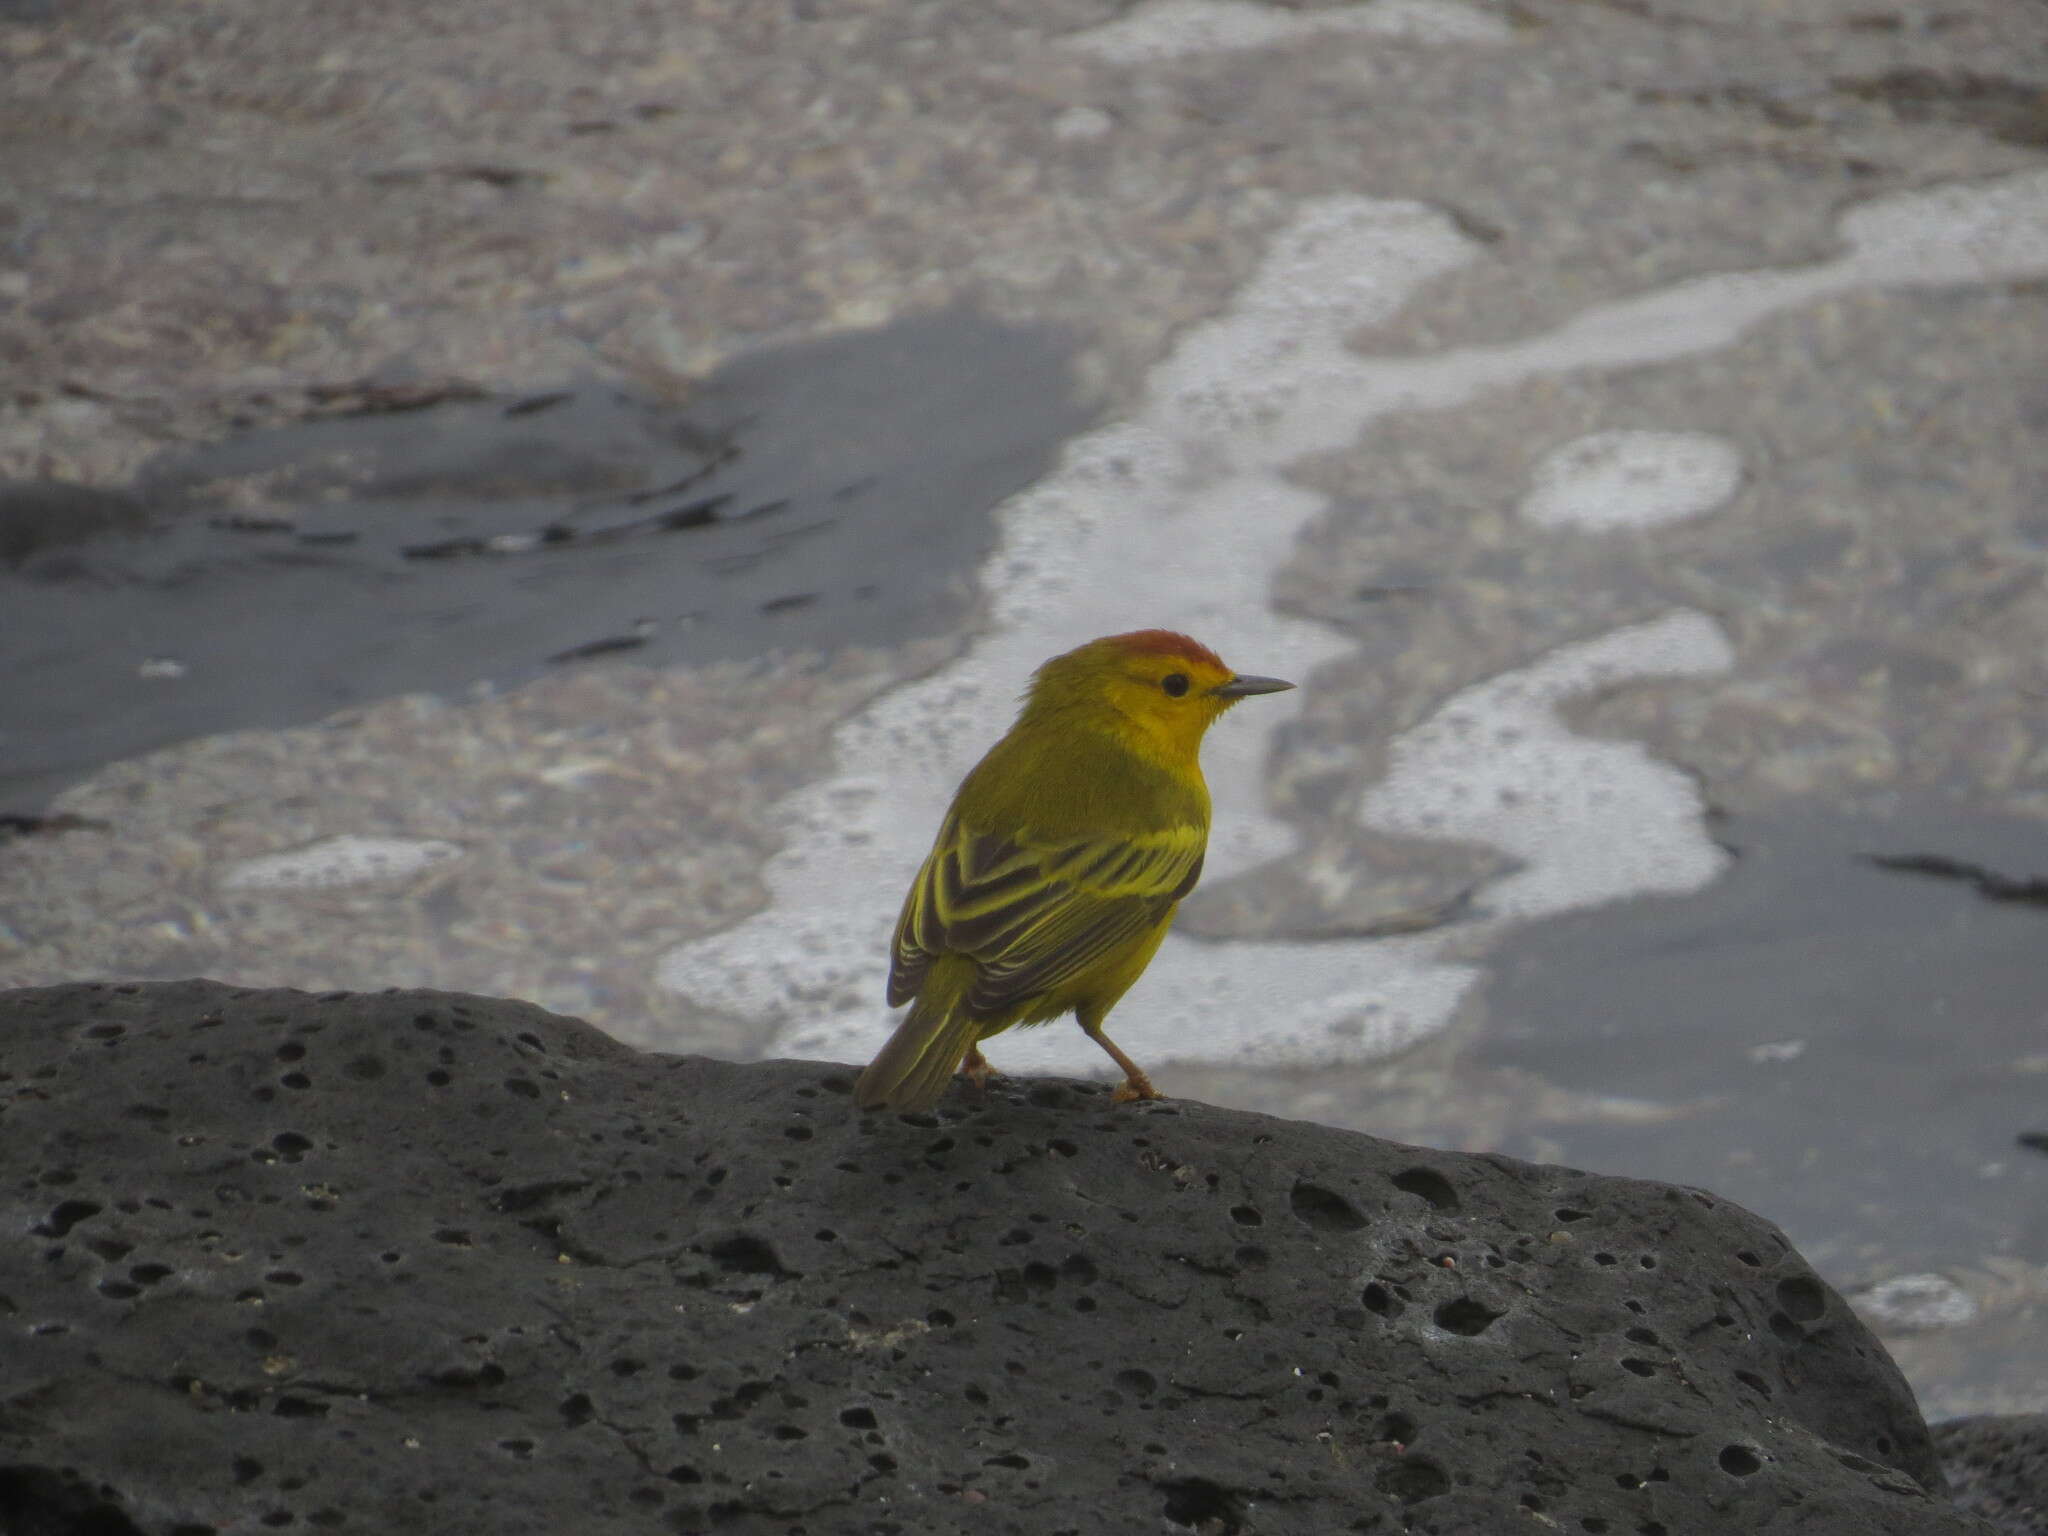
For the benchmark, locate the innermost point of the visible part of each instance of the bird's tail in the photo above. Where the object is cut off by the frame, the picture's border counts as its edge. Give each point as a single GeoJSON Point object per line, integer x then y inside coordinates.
{"type": "Point", "coordinates": [913, 1069]}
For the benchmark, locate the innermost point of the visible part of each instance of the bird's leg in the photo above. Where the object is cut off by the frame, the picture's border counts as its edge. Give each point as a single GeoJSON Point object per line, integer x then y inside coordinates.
{"type": "Point", "coordinates": [975, 1068]}
{"type": "Point", "coordinates": [1136, 1086]}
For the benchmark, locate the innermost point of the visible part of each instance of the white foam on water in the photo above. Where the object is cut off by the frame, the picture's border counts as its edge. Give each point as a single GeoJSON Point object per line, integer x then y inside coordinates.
{"type": "Point", "coordinates": [1630, 479]}
{"type": "Point", "coordinates": [336, 861]}
{"type": "Point", "coordinates": [1178, 517]}
{"type": "Point", "coordinates": [1591, 820]}
{"type": "Point", "coordinates": [1915, 1304]}
{"type": "Point", "coordinates": [1174, 29]}
{"type": "Point", "coordinates": [1979, 232]}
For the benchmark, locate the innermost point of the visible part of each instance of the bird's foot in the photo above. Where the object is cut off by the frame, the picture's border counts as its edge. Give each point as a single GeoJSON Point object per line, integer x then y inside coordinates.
{"type": "Point", "coordinates": [976, 1069]}
{"type": "Point", "coordinates": [1135, 1089]}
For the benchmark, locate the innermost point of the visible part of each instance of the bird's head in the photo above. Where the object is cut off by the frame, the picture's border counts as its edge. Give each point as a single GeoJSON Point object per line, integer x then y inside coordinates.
{"type": "Point", "coordinates": [1153, 681]}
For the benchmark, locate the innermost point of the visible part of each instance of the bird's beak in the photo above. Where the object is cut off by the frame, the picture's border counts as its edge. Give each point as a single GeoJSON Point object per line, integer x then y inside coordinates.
{"type": "Point", "coordinates": [1243, 687]}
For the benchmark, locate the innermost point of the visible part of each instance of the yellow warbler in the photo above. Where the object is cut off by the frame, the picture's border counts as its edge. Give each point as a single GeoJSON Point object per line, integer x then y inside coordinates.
{"type": "Point", "coordinates": [1059, 867]}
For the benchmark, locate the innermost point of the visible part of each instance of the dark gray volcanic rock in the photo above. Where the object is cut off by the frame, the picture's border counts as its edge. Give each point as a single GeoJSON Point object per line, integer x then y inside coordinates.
{"type": "Point", "coordinates": [419, 1262]}
{"type": "Point", "coordinates": [1998, 1467]}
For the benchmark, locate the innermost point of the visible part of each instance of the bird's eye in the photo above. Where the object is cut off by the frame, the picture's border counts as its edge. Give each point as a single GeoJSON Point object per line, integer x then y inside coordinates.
{"type": "Point", "coordinates": [1175, 684]}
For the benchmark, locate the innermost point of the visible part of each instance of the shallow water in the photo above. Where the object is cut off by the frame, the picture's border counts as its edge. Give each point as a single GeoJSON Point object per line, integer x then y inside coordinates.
{"type": "Point", "coordinates": [827, 493]}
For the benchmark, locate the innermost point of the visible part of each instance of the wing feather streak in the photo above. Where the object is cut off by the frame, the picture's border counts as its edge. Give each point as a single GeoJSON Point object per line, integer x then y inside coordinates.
{"type": "Point", "coordinates": [1036, 915]}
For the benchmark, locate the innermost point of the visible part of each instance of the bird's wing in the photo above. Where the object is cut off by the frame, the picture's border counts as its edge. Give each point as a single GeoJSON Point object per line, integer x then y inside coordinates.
{"type": "Point", "coordinates": [1034, 915]}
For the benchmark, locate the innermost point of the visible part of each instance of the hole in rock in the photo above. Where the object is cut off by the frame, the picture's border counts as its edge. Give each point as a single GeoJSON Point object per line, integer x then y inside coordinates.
{"type": "Point", "coordinates": [1246, 1216]}
{"type": "Point", "coordinates": [68, 1214]}
{"type": "Point", "coordinates": [857, 1418]}
{"type": "Point", "coordinates": [1739, 1461]}
{"type": "Point", "coordinates": [1463, 1315]}
{"type": "Point", "coordinates": [1429, 1185]}
{"type": "Point", "coordinates": [1802, 1298]}
{"type": "Point", "coordinates": [1324, 1209]}
{"type": "Point", "coordinates": [1412, 1479]}
{"type": "Point", "coordinates": [1199, 1504]}
{"type": "Point", "coordinates": [747, 1255]}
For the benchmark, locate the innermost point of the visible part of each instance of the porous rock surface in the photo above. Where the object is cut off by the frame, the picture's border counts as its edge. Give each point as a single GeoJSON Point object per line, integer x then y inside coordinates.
{"type": "Point", "coordinates": [422, 1262]}
{"type": "Point", "coordinates": [1997, 1465]}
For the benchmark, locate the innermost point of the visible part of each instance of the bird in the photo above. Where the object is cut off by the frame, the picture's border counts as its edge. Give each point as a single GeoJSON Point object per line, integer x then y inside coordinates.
{"type": "Point", "coordinates": [1058, 868]}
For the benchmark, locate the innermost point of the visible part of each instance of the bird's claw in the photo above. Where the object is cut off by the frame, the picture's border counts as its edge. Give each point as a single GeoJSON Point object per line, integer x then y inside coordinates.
{"type": "Point", "coordinates": [977, 1070]}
